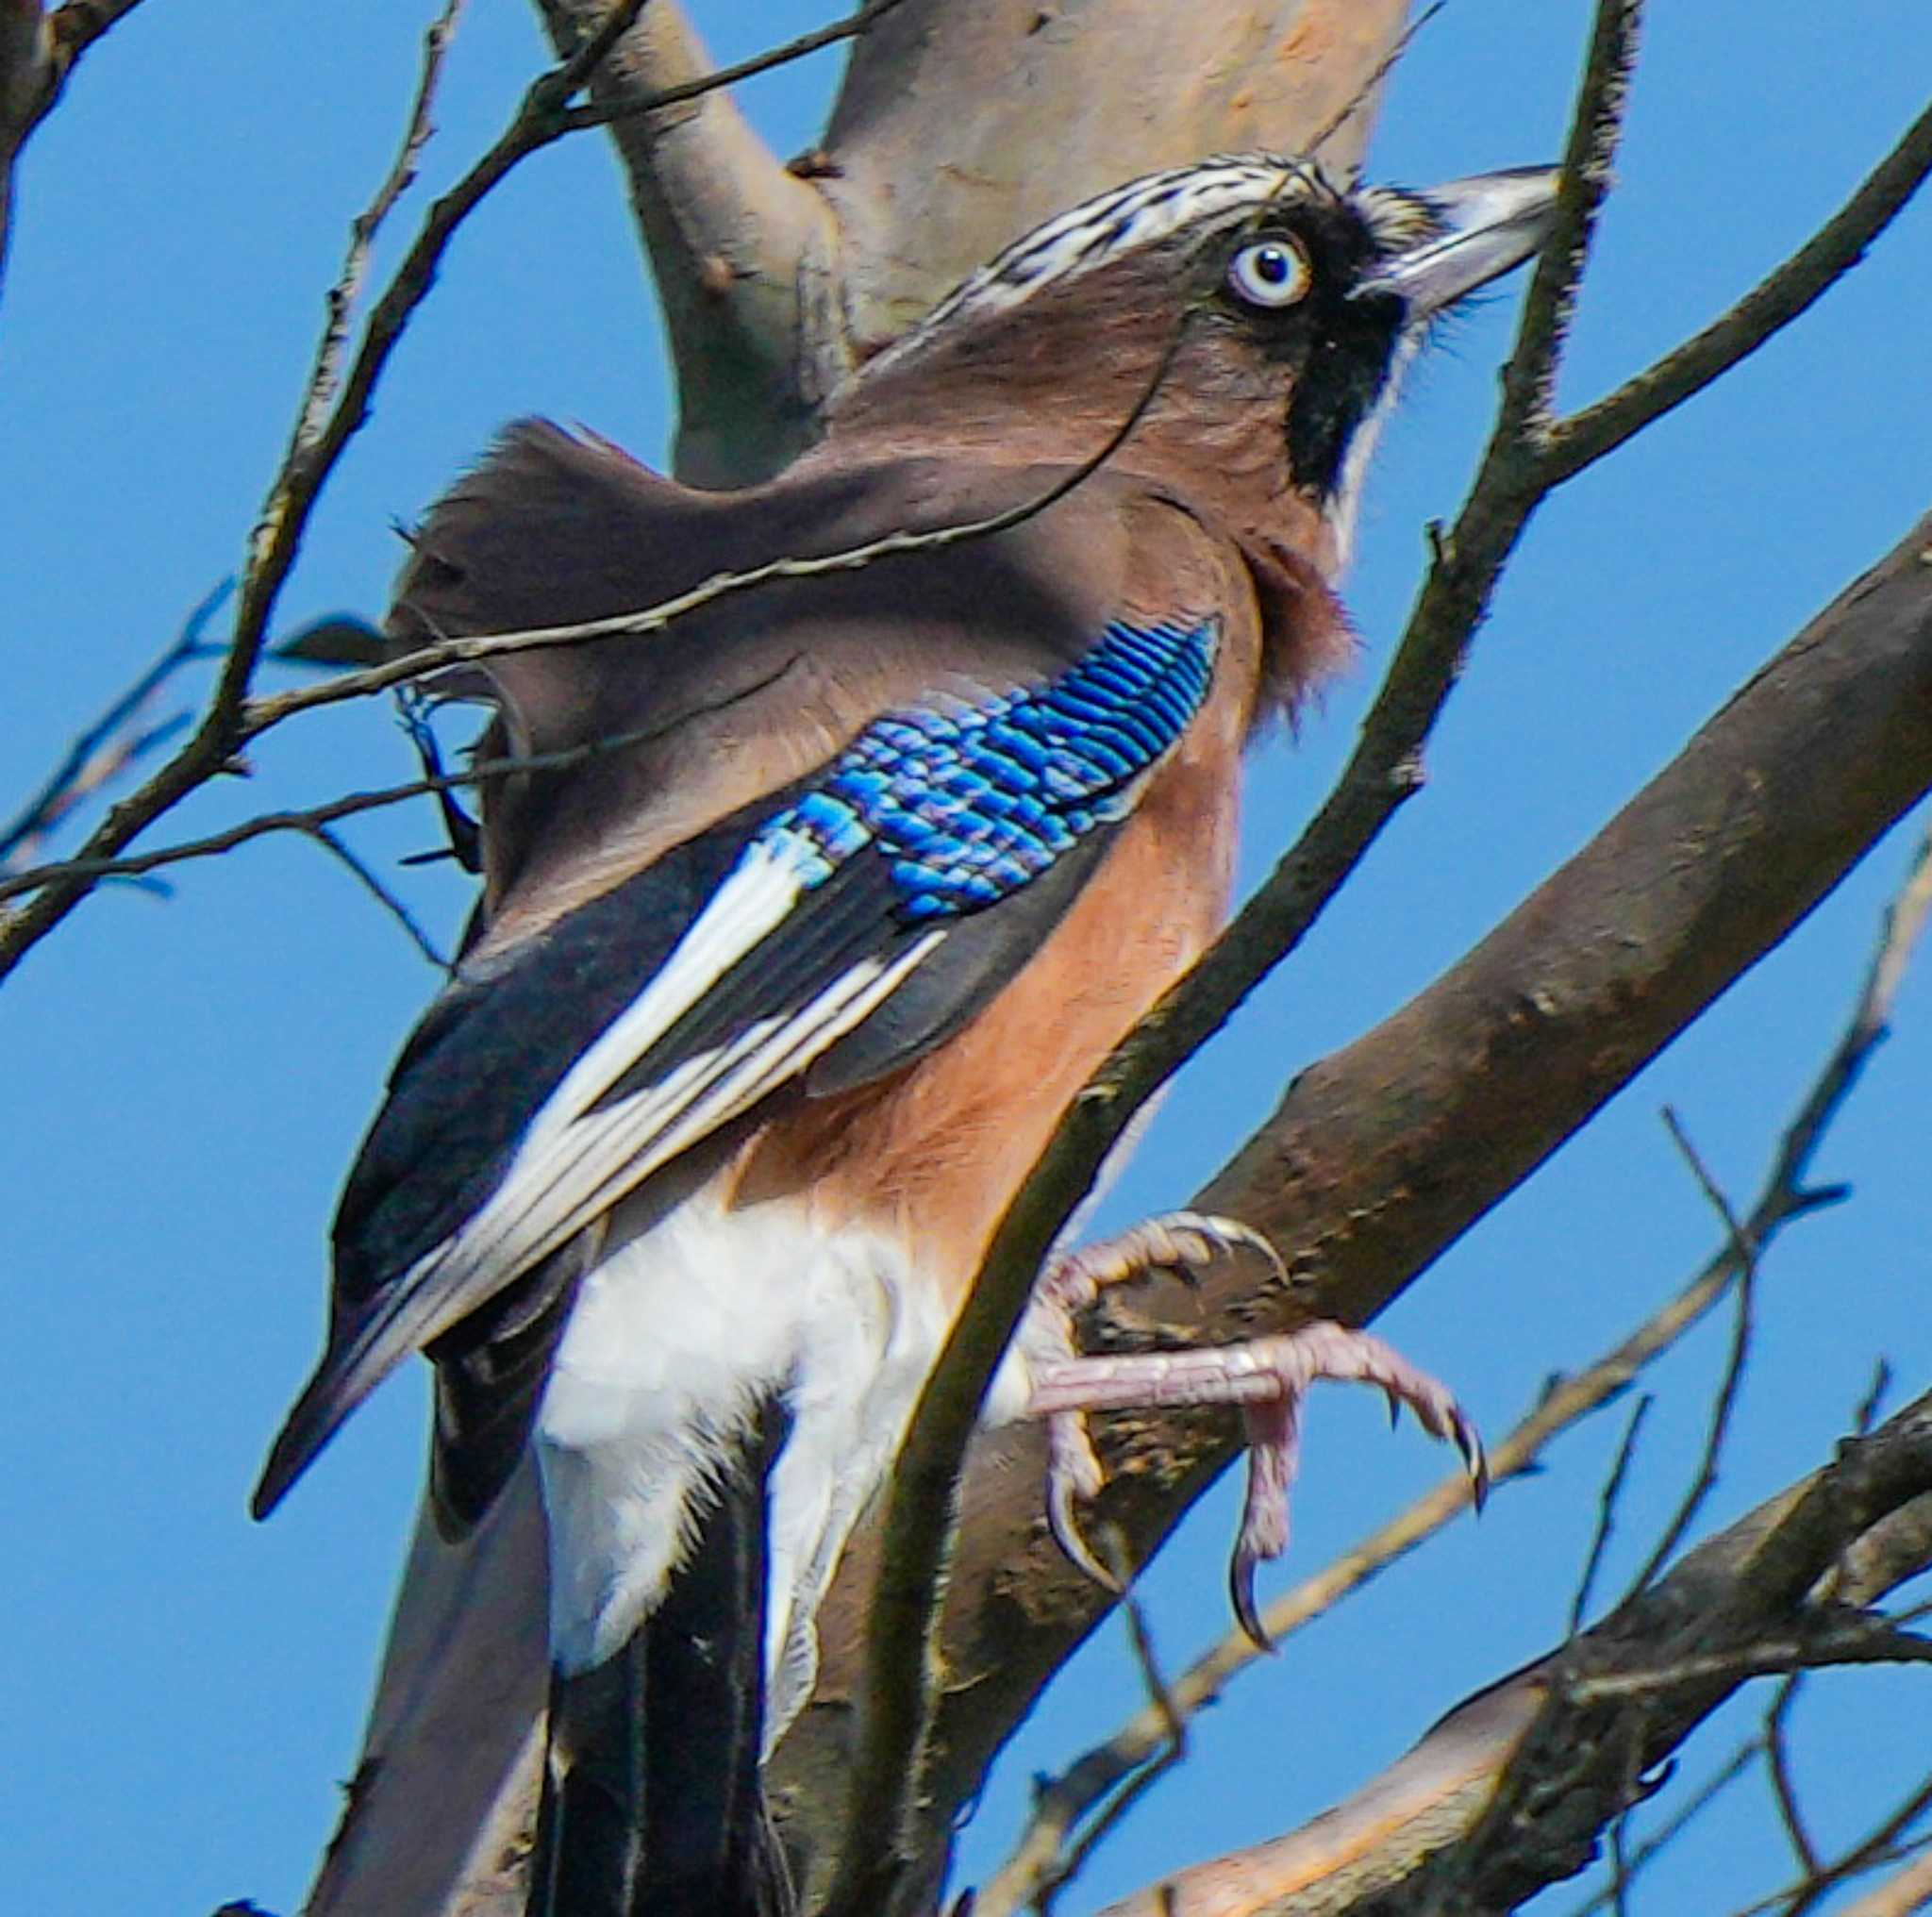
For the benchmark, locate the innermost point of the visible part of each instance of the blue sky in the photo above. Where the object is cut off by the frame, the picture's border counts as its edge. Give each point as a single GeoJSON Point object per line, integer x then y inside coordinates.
{"type": "Point", "coordinates": [186, 1078]}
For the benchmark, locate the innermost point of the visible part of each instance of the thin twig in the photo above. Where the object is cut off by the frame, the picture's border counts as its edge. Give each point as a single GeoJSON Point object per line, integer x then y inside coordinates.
{"type": "Point", "coordinates": [1777, 1763]}
{"type": "Point", "coordinates": [258, 715]}
{"type": "Point", "coordinates": [1865, 1414]}
{"type": "Point", "coordinates": [136, 864]}
{"type": "Point", "coordinates": [1903, 1895]}
{"type": "Point", "coordinates": [1777, 300]}
{"type": "Point", "coordinates": [1744, 1251]}
{"type": "Point", "coordinates": [473, 647]}
{"type": "Point", "coordinates": [1377, 75]}
{"type": "Point", "coordinates": [1173, 1750]}
{"type": "Point", "coordinates": [848, 28]}
{"type": "Point", "coordinates": [1607, 1507]}
{"type": "Point", "coordinates": [339, 301]}
{"type": "Point", "coordinates": [1858, 1640]}
{"type": "Point", "coordinates": [1620, 1865]}
{"type": "Point", "coordinates": [1881, 1846]}
{"type": "Point", "coordinates": [1654, 1846]}
{"type": "Point", "coordinates": [112, 743]}
{"type": "Point", "coordinates": [373, 885]}
{"type": "Point", "coordinates": [537, 123]}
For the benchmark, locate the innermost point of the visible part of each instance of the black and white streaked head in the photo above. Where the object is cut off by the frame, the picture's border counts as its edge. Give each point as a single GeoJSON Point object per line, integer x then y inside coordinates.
{"type": "Point", "coordinates": [1278, 309]}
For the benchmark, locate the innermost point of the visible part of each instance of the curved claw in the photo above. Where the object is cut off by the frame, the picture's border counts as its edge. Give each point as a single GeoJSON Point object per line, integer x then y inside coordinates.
{"type": "Point", "coordinates": [1177, 1242]}
{"type": "Point", "coordinates": [1066, 1534]}
{"type": "Point", "coordinates": [1241, 1597]}
{"type": "Point", "coordinates": [1199, 1236]}
{"type": "Point", "coordinates": [1073, 1470]}
{"type": "Point", "coordinates": [1476, 1461]}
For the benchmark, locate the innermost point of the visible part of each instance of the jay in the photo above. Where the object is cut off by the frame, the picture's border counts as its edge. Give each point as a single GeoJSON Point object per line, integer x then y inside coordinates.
{"type": "Point", "coordinates": [807, 914]}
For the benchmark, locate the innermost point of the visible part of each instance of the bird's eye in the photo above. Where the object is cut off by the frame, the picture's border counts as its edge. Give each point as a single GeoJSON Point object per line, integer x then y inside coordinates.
{"type": "Point", "coordinates": [1268, 273]}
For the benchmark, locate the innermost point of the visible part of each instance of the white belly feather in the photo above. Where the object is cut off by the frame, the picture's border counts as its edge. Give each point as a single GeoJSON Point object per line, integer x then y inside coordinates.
{"type": "Point", "coordinates": [674, 1338]}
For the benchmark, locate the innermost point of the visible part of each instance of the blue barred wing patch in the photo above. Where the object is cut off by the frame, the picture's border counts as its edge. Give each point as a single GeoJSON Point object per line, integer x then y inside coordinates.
{"type": "Point", "coordinates": [967, 807]}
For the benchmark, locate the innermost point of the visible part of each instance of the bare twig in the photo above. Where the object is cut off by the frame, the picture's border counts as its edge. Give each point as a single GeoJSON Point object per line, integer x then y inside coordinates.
{"type": "Point", "coordinates": [538, 122]}
{"type": "Point", "coordinates": [373, 884]}
{"type": "Point", "coordinates": [1854, 1641]}
{"type": "Point", "coordinates": [467, 650]}
{"type": "Point", "coordinates": [1744, 1252]}
{"type": "Point", "coordinates": [1866, 1413]}
{"type": "Point", "coordinates": [1385, 66]}
{"type": "Point", "coordinates": [1616, 1701]}
{"type": "Point", "coordinates": [851, 25]}
{"type": "Point", "coordinates": [1607, 1509]}
{"type": "Point", "coordinates": [324, 376]}
{"type": "Point", "coordinates": [1697, 1802]}
{"type": "Point", "coordinates": [1772, 304]}
{"type": "Point", "coordinates": [1511, 1790]}
{"type": "Point", "coordinates": [1173, 1751]}
{"type": "Point", "coordinates": [307, 820]}
{"type": "Point", "coordinates": [1881, 1846]}
{"type": "Point", "coordinates": [1777, 1763]}
{"type": "Point", "coordinates": [1620, 1866]}
{"type": "Point", "coordinates": [71, 879]}
{"type": "Point", "coordinates": [1908, 1892]}
{"type": "Point", "coordinates": [118, 738]}
{"type": "Point", "coordinates": [542, 117]}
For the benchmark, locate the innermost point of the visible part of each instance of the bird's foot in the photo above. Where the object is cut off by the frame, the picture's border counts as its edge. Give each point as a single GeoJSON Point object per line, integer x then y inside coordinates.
{"type": "Point", "coordinates": [1267, 1377]}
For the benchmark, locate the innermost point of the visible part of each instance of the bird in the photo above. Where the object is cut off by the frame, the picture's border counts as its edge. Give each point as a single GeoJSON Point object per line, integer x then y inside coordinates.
{"type": "Point", "coordinates": [806, 912]}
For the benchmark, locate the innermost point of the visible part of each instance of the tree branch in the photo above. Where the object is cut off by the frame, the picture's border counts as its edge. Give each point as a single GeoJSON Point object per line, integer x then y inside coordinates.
{"type": "Point", "coordinates": [1347, 1265]}
{"type": "Point", "coordinates": [1511, 1792]}
{"type": "Point", "coordinates": [359, 869]}
{"type": "Point", "coordinates": [118, 738]}
{"type": "Point", "coordinates": [38, 53]}
{"type": "Point", "coordinates": [1506, 491]}
{"type": "Point", "coordinates": [743, 254]}
{"type": "Point", "coordinates": [1772, 305]}
{"type": "Point", "coordinates": [1910, 1889]}
{"type": "Point", "coordinates": [1385, 1152]}
{"type": "Point", "coordinates": [298, 483]}
{"type": "Point", "coordinates": [1039, 1860]}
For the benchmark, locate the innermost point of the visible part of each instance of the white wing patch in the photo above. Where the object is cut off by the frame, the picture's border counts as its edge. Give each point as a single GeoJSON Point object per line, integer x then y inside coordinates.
{"type": "Point", "coordinates": [576, 1159]}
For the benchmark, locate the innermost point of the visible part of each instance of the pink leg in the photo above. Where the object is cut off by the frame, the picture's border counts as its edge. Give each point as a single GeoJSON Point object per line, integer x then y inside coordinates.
{"type": "Point", "coordinates": [1268, 1378]}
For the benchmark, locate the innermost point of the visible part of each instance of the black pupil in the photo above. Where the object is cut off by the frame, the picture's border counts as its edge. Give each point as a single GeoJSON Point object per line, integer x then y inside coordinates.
{"type": "Point", "coordinates": [1272, 265]}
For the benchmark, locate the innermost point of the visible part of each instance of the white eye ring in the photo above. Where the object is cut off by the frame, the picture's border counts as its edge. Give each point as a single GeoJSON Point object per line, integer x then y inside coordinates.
{"type": "Point", "coordinates": [1270, 273]}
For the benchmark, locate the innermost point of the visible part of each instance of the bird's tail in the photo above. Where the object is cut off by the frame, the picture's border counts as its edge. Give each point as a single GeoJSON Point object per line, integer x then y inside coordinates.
{"type": "Point", "coordinates": [652, 1804]}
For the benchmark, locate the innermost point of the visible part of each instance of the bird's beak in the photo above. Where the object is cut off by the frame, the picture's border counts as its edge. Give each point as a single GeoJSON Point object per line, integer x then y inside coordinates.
{"type": "Point", "coordinates": [1486, 226]}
